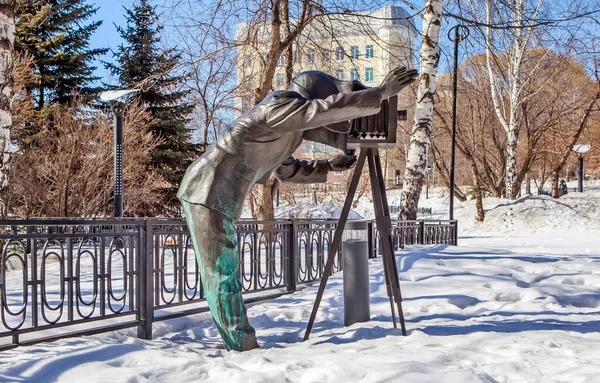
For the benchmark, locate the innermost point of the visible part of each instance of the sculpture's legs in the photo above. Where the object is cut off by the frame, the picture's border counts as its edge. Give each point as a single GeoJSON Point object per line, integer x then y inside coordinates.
{"type": "Point", "coordinates": [215, 242]}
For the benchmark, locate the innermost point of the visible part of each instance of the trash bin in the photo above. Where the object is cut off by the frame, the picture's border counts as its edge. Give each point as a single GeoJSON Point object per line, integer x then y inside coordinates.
{"type": "Point", "coordinates": [355, 259]}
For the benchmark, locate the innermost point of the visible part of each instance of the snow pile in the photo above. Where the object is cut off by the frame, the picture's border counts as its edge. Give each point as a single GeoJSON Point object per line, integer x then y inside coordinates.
{"type": "Point", "coordinates": [533, 213]}
{"type": "Point", "coordinates": [308, 210]}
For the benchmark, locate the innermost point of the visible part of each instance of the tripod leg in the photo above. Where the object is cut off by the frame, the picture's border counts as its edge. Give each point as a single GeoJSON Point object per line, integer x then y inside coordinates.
{"type": "Point", "coordinates": [390, 294]}
{"type": "Point", "coordinates": [386, 210]}
{"type": "Point", "coordinates": [337, 238]}
{"type": "Point", "coordinates": [385, 228]}
{"type": "Point", "coordinates": [379, 215]}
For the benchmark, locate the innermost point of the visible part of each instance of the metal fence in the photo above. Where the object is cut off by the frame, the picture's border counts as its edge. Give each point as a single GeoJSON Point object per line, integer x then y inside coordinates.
{"type": "Point", "coordinates": [72, 277]}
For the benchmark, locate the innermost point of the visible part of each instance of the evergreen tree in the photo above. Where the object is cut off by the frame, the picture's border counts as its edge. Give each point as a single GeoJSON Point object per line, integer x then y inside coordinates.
{"type": "Point", "coordinates": [55, 34]}
{"type": "Point", "coordinates": [141, 63]}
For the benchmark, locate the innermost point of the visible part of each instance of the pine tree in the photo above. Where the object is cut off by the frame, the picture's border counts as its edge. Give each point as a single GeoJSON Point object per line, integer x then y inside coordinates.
{"type": "Point", "coordinates": [141, 63]}
{"type": "Point", "coordinates": [55, 34]}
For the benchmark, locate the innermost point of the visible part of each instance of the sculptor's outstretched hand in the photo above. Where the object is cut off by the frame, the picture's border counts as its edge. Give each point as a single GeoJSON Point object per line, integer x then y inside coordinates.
{"type": "Point", "coordinates": [342, 162]}
{"type": "Point", "coordinates": [396, 80]}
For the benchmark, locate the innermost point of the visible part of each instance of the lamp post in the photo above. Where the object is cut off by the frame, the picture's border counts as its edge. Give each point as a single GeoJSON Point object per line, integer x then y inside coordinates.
{"type": "Point", "coordinates": [580, 150]}
{"type": "Point", "coordinates": [457, 34]}
{"type": "Point", "coordinates": [428, 171]}
{"type": "Point", "coordinates": [117, 99]}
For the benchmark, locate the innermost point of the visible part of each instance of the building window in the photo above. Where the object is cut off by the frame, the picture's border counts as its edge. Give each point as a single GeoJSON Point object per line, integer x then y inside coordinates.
{"type": "Point", "coordinates": [325, 55]}
{"type": "Point", "coordinates": [339, 74]}
{"type": "Point", "coordinates": [368, 74]}
{"type": "Point", "coordinates": [353, 74]}
{"type": "Point", "coordinates": [369, 51]}
{"type": "Point", "coordinates": [279, 80]}
{"type": "Point", "coordinates": [281, 60]}
{"type": "Point", "coordinates": [339, 54]}
{"type": "Point", "coordinates": [354, 52]}
{"type": "Point", "coordinates": [310, 54]}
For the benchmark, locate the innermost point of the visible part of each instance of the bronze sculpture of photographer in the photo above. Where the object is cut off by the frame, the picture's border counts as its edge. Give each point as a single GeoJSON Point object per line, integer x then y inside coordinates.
{"type": "Point", "coordinates": [256, 144]}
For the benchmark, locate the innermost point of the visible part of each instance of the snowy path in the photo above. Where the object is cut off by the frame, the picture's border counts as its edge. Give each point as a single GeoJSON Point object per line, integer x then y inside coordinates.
{"type": "Point", "coordinates": [499, 308]}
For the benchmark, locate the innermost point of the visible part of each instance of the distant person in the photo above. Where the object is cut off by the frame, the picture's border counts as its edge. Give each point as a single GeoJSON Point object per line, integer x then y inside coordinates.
{"type": "Point", "coordinates": [256, 144]}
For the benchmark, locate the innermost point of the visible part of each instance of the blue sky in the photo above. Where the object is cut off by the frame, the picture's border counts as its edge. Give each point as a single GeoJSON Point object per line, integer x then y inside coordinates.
{"type": "Point", "coordinates": [106, 36]}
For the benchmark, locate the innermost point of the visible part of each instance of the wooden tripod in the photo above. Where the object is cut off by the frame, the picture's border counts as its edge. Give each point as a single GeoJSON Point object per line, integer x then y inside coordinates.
{"type": "Point", "coordinates": [384, 224]}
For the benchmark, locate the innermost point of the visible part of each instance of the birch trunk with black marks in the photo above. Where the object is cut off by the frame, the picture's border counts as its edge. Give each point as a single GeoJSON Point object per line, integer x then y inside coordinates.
{"type": "Point", "coordinates": [7, 38]}
{"type": "Point", "coordinates": [416, 161]}
{"type": "Point", "coordinates": [508, 77]}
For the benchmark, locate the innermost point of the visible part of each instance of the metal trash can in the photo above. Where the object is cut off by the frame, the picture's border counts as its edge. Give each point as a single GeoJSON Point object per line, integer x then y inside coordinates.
{"type": "Point", "coordinates": [355, 253]}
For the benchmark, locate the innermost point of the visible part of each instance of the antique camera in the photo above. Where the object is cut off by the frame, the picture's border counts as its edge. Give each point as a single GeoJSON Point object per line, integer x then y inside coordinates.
{"type": "Point", "coordinates": [377, 131]}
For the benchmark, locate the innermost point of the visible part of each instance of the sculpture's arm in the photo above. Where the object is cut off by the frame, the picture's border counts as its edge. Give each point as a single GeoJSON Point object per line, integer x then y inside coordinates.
{"type": "Point", "coordinates": [297, 171]}
{"type": "Point", "coordinates": [288, 113]}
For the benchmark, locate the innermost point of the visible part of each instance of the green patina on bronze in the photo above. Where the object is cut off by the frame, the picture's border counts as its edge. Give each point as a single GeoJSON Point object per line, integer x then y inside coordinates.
{"type": "Point", "coordinates": [222, 285]}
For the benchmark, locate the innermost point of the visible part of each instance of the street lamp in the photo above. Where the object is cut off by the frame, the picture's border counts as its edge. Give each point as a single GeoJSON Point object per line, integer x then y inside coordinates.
{"type": "Point", "coordinates": [117, 99]}
{"type": "Point", "coordinates": [581, 150]}
{"type": "Point", "coordinates": [428, 169]}
{"type": "Point", "coordinates": [461, 32]}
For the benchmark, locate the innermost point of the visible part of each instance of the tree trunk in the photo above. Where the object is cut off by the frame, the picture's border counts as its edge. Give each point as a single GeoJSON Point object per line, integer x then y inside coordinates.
{"type": "Point", "coordinates": [278, 45]}
{"type": "Point", "coordinates": [444, 172]}
{"type": "Point", "coordinates": [542, 178]}
{"type": "Point", "coordinates": [266, 193]}
{"type": "Point", "coordinates": [507, 88]}
{"type": "Point", "coordinates": [511, 164]}
{"type": "Point", "coordinates": [7, 38]}
{"type": "Point", "coordinates": [477, 190]}
{"type": "Point", "coordinates": [554, 178]}
{"type": "Point", "coordinates": [416, 161]}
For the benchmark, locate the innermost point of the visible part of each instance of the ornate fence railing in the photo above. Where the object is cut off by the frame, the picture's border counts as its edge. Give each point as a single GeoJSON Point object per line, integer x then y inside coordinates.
{"type": "Point", "coordinates": [70, 277]}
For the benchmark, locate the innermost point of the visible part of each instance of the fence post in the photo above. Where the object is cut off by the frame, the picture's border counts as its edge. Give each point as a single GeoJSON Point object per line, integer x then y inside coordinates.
{"type": "Point", "coordinates": [292, 249]}
{"type": "Point", "coordinates": [421, 235]}
{"type": "Point", "coordinates": [145, 288]}
{"type": "Point", "coordinates": [455, 233]}
{"type": "Point", "coordinates": [370, 239]}
{"type": "Point", "coordinates": [374, 236]}
{"type": "Point", "coordinates": [401, 235]}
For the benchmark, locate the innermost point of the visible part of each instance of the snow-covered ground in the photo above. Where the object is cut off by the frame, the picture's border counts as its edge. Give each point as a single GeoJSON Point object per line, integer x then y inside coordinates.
{"type": "Point", "coordinates": [517, 301]}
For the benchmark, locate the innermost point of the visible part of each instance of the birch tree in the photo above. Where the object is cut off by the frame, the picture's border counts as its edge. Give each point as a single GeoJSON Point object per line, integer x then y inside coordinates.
{"type": "Point", "coordinates": [416, 161]}
{"type": "Point", "coordinates": [7, 38]}
{"type": "Point", "coordinates": [511, 83]}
